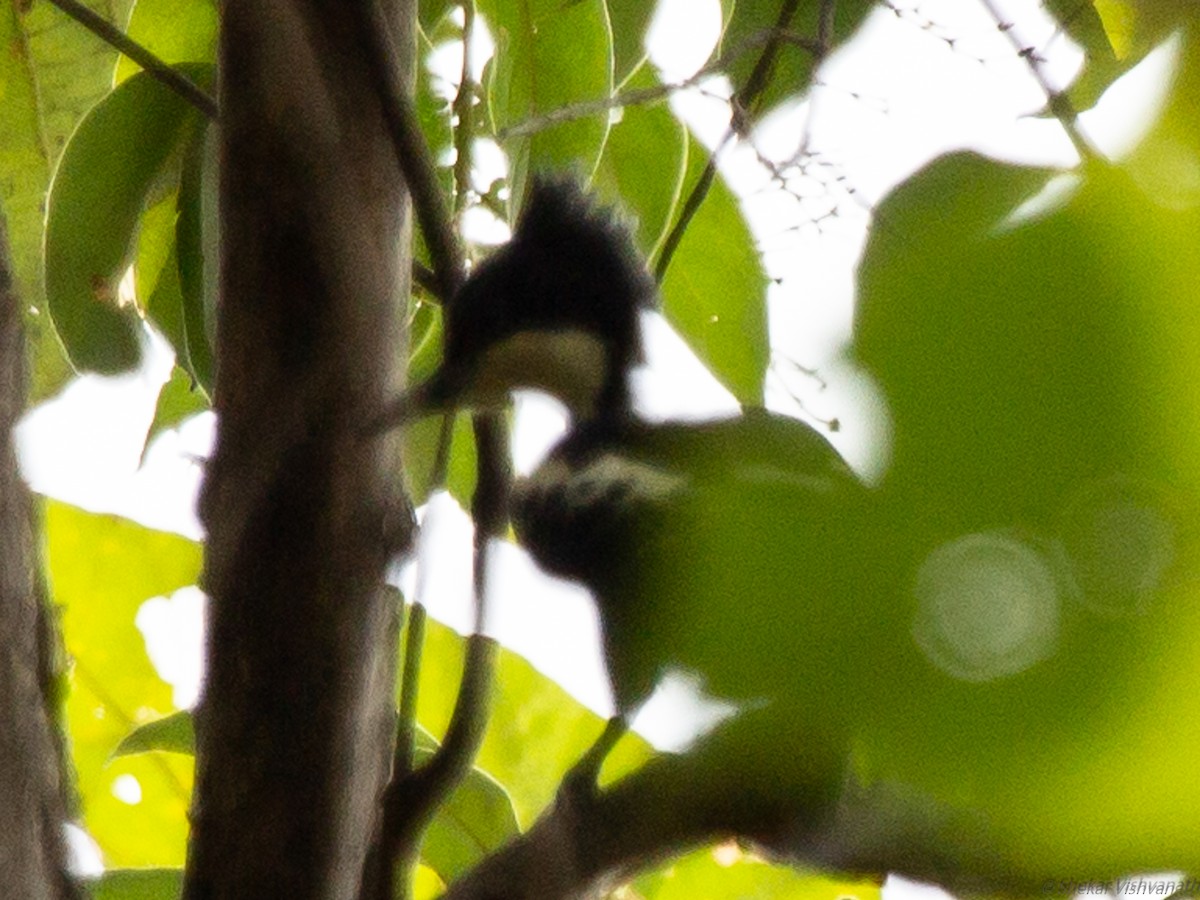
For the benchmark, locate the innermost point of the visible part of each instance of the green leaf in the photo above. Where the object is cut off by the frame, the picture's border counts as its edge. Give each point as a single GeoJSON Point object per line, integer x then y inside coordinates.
{"type": "Point", "coordinates": [421, 438]}
{"type": "Point", "coordinates": [22, 156]}
{"type": "Point", "coordinates": [196, 247]}
{"type": "Point", "coordinates": [792, 70]}
{"type": "Point", "coordinates": [73, 68]}
{"type": "Point", "coordinates": [629, 20]}
{"type": "Point", "coordinates": [176, 31]}
{"type": "Point", "coordinates": [727, 873]}
{"type": "Point", "coordinates": [1115, 36]}
{"type": "Point", "coordinates": [171, 734]}
{"type": "Point", "coordinates": [179, 399]}
{"type": "Point", "coordinates": [1079, 20]}
{"type": "Point", "coordinates": [137, 884]}
{"type": "Point", "coordinates": [156, 272]}
{"type": "Point", "coordinates": [101, 569]}
{"type": "Point", "coordinates": [549, 54]}
{"type": "Point", "coordinates": [644, 162]}
{"type": "Point", "coordinates": [430, 13]}
{"type": "Point", "coordinates": [106, 178]}
{"type": "Point", "coordinates": [434, 111]}
{"type": "Point", "coordinates": [536, 732]}
{"type": "Point", "coordinates": [715, 291]}
{"type": "Point", "coordinates": [1040, 373]}
{"type": "Point", "coordinates": [24, 162]}
{"type": "Point", "coordinates": [475, 820]}
{"type": "Point", "coordinates": [426, 884]}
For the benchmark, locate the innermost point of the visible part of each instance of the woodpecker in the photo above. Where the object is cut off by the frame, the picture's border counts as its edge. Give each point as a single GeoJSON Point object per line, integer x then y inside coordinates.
{"type": "Point", "coordinates": [717, 549]}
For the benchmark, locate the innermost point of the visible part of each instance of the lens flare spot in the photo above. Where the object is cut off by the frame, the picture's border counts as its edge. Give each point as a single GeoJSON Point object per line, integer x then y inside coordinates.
{"type": "Point", "coordinates": [987, 607]}
{"type": "Point", "coordinates": [1118, 539]}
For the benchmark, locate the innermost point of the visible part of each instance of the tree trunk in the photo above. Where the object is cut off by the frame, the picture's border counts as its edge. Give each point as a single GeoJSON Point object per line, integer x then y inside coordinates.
{"type": "Point", "coordinates": [294, 731]}
{"type": "Point", "coordinates": [32, 864]}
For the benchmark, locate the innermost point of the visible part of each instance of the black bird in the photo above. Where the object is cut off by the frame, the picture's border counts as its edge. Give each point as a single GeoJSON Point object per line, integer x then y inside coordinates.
{"type": "Point", "coordinates": [731, 549]}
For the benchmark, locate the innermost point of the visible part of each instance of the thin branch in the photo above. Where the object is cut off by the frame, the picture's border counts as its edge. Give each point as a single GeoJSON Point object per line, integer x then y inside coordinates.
{"type": "Point", "coordinates": [155, 67]}
{"type": "Point", "coordinates": [412, 152]}
{"type": "Point", "coordinates": [587, 843]}
{"type": "Point", "coordinates": [656, 94]}
{"type": "Point", "coordinates": [489, 506]}
{"type": "Point", "coordinates": [427, 280]}
{"type": "Point", "coordinates": [825, 25]}
{"type": "Point", "coordinates": [760, 76]}
{"type": "Point", "coordinates": [406, 727]}
{"type": "Point", "coordinates": [410, 803]}
{"type": "Point", "coordinates": [464, 113]}
{"type": "Point", "coordinates": [412, 798]}
{"type": "Point", "coordinates": [691, 206]}
{"type": "Point", "coordinates": [743, 100]}
{"type": "Point", "coordinates": [1058, 101]}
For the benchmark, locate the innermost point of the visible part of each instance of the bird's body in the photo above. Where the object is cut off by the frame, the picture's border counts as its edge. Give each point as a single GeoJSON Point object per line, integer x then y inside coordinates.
{"type": "Point", "coordinates": [708, 546]}
{"type": "Point", "coordinates": [720, 549]}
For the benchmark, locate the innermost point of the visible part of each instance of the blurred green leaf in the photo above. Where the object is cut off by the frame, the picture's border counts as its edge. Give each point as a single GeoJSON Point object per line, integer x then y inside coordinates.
{"type": "Point", "coordinates": [137, 884]}
{"type": "Point", "coordinates": [727, 873]}
{"type": "Point", "coordinates": [1115, 36]}
{"type": "Point", "coordinates": [549, 54]}
{"type": "Point", "coordinates": [170, 734]}
{"type": "Point", "coordinates": [629, 20]}
{"type": "Point", "coordinates": [56, 72]}
{"type": "Point", "coordinates": [176, 31]}
{"type": "Point", "coordinates": [430, 12]}
{"type": "Point", "coordinates": [1135, 26]}
{"type": "Point", "coordinates": [421, 438]}
{"type": "Point", "coordinates": [536, 732]}
{"type": "Point", "coordinates": [24, 161]}
{"type": "Point", "coordinates": [1039, 365]}
{"type": "Point", "coordinates": [644, 162]}
{"type": "Point", "coordinates": [475, 820]}
{"type": "Point", "coordinates": [106, 178]}
{"type": "Point", "coordinates": [433, 110]}
{"type": "Point", "coordinates": [72, 66]}
{"type": "Point", "coordinates": [179, 399]}
{"type": "Point", "coordinates": [1083, 24]}
{"type": "Point", "coordinates": [101, 569]}
{"type": "Point", "coordinates": [156, 271]}
{"type": "Point", "coordinates": [197, 235]}
{"type": "Point", "coordinates": [791, 72]}
{"type": "Point", "coordinates": [715, 291]}
{"type": "Point", "coordinates": [22, 157]}
{"type": "Point", "coordinates": [426, 884]}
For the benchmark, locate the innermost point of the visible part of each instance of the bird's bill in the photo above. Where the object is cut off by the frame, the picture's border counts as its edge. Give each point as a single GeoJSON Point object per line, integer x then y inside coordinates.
{"type": "Point", "coordinates": [438, 393]}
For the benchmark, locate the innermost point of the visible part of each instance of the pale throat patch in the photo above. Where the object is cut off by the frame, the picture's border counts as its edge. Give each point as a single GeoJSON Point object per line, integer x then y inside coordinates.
{"type": "Point", "coordinates": [570, 365]}
{"type": "Point", "coordinates": [602, 477]}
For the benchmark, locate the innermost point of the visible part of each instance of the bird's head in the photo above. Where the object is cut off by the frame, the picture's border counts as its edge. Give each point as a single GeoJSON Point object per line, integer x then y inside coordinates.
{"type": "Point", "coordinates": [556, 309]}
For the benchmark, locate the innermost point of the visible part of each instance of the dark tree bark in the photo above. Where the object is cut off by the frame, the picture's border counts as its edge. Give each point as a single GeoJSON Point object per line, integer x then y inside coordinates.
{"type": "Point", "coordinates": [303, 514]}
{"type": "Point", "coordinates": [32, 859]}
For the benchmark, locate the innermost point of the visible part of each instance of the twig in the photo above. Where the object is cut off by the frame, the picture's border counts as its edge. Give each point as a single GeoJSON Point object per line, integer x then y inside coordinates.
{"type": "Point", "coordinates": [584, 845]}
{"type": "Point", "coordinates": [428, 281]}
{"type": "Point", "coordinates": [489, 506]}
{"type": "Point", "coordinates": [647, 95]}
{"type": "Point", "coordinates": [406, 727]}
{"type": "Point", "coordinates": [743, 100]}
{"type": "Point", "coordinates": [155, 67]}
{"type": "Point", "coordinates": [412, 798]}
{"type": "Point", "coordinates": [412, 152]}
{"type": "Point", "coordinates": [1058, 101]}
{"type": "Point", "coordinates": [691, 206]}
{"type": "Point", "coordinates": [464, 103]}
{"type": "Point", "coordinates": [409, 803]}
